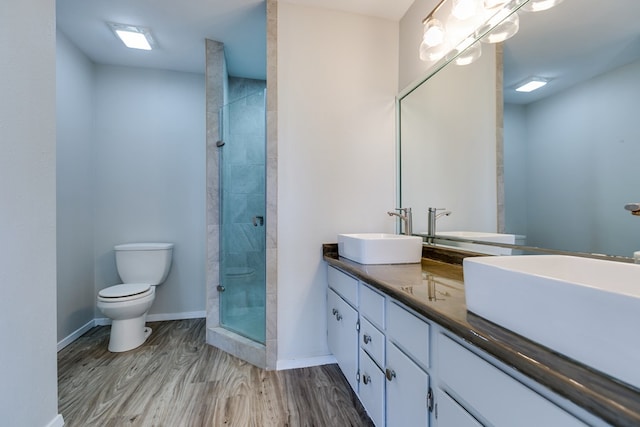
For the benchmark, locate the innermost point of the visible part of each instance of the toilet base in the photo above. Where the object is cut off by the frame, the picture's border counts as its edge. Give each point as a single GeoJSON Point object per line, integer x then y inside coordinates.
{"type": "Point", "coordinates": [128, 334]}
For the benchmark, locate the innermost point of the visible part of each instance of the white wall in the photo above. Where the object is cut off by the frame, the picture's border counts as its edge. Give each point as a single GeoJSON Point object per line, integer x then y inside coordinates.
{"type": "Point", "coordinates": [150, 176]}
{"type": "Point", "coordinates": [74, 159]}
{"type": "Point", "coordinates": [582, 153]}
{"type": "Point", "coordinates": [28, 390]}
{"type": "Point", "coordinates": [337, 79]}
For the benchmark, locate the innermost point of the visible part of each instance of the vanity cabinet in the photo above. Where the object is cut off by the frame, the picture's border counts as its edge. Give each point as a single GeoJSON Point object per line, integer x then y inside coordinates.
{"type": "Point", "coordinates": [410, 371]}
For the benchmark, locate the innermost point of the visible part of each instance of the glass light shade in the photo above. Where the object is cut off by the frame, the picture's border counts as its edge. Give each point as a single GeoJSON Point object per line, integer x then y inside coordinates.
{"type": "Point", "coordinates": [432, 54]}
{"type": "Point", "coordinates": [539, 5]}
{"type": "Point", "coordinates": [504, 30]}
{"type": "Point", "coordinates": [490, 4]}
{"type": "Point", "coordinates": [464, 9]}
{"type": "Point", "coordinates": [469, 55]}
{"type": "Point", "coordinates": [433, 32]}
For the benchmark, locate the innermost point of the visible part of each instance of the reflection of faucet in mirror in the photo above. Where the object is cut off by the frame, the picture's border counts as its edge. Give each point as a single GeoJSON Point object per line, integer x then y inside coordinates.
{"type": "Point", "coordinates": [406, 218]}
{"type": "Point", "coordinates": [634, 208]}
{"type": "Point", "coordinates": [433, 216]}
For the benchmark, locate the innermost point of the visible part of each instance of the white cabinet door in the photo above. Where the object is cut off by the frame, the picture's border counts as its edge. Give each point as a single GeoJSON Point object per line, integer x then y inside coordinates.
{"type": "Point", "coordinates": [342, 336]}
{"type": "Point", "coordinates": [372, 389]}
{"type": "Point", "coordinates": [450, 414]}
{"type": "Point", "coordinates": [407, 389]}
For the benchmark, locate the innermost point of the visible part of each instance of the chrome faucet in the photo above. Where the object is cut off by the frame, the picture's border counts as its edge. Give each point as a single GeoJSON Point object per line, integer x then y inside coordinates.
{"type": "Point", "coordinates": [406, 217]}
{"type": "Point", "coordinates": [433, 216]}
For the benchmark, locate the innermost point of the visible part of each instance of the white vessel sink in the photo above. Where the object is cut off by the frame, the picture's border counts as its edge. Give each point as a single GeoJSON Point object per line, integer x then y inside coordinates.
{"type": "Point", "coordinates": [482, 237]}
{"type": "Point", "coordinates": [586, 309]}
{"type": "Point", "coordinates": [380, 248]}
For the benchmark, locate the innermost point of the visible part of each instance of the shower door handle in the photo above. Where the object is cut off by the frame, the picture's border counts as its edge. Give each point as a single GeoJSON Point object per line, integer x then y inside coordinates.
{"type": "Point", "coordinates": [258, 221]}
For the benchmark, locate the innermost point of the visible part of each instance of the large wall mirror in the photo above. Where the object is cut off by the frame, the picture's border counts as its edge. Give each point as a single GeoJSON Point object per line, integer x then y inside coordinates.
{"type": "Point", "coordinates": [553, 167]}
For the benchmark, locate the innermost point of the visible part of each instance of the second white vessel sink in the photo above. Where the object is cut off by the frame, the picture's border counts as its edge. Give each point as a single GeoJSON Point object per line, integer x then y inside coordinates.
{"type": "Point", "coordinates": [586, 309]}
{"type": "Point", "coordinates": [380, 248]}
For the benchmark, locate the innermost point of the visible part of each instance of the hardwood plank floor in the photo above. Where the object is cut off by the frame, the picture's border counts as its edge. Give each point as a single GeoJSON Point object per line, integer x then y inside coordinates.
{"type": "Point", "coordinates": [176, 379]}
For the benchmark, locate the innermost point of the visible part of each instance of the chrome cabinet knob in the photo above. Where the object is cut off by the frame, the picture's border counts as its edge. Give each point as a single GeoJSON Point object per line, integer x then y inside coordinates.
{"type": "Point", "coordinates": [390, 374]}
{"type": "Point", "coordinates": [366, 379]}
{"type": "Point", "coordinates": [366, 338]}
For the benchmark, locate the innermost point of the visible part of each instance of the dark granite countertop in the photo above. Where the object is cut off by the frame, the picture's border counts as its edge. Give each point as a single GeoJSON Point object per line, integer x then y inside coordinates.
{"type": "Point", "coordinates": [435, 289]}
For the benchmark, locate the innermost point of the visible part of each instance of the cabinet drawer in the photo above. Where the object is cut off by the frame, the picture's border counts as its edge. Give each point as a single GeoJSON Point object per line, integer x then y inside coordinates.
{"type": "Point", "coordinates": [409, 332]}
{"type": "Point", "coordinates": [372, 389]}
{"type": "Point", "coordinates": [372, 306]}
{"type": "Point", "coordinates": [344, 285]}
{"type": "Point", "coordinates": [494, 395]}
{"type": "Point", "coordinates": [372, 340]}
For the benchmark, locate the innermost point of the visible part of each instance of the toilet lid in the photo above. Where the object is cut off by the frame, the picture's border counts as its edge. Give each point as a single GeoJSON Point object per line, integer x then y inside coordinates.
{"type": "Point", "coordinates": [124, 290]}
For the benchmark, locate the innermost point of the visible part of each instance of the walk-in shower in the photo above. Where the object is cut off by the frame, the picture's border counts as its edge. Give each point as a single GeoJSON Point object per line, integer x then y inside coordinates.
{"type": "Point", "coordinates": [242, 154]}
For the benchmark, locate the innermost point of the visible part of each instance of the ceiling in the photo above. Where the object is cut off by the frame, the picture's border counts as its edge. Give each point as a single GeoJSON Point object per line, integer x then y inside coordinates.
{"type": "Point", "coordinates": [180, 27]}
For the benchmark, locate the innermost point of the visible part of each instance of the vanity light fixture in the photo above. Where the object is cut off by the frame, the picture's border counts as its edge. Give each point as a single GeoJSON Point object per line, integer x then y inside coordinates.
{"type": "Point", "coordinates": [494, 20]}
{"type": "Point", "coordinates": [132, 36]}
{"type": "Point", "coordinates": [531, 84]}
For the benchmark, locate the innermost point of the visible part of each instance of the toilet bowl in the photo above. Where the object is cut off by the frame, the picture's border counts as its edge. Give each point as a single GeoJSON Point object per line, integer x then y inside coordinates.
{"type": "Point", "coordinates": [142, 267]}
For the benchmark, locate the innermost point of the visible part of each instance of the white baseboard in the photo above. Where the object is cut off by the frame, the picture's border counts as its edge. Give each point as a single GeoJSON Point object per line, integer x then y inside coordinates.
{"type": "Point", "coordinates": [76, 334]}
{"type": "Point", "coordinates": [104, 321]}
{"type": "Point", "coordinates": [176, 316]}
{"type": "Point", "coordinates": [56, 422]}
{"type": "Point", "coordinates": [282, 365]}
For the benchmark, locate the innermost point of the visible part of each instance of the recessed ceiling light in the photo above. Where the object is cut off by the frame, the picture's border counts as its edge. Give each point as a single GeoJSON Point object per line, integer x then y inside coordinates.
{"type": "Point", "coordinates": [531, 84]}
{"type": "Point", "coordinates": [133, 37]}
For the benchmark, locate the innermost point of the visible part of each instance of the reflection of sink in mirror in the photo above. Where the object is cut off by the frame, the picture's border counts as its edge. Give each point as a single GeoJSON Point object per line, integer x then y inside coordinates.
{"type": "Point", "coordinates": [484, 237]}
{"type": "Point", "coordinates": [380, 248]}
{"type": "Point", "coordinates": [586, 309]}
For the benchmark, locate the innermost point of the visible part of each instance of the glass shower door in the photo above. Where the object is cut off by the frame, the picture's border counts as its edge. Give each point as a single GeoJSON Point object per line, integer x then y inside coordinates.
{"type": "Point", "coordinates": [242, 217]}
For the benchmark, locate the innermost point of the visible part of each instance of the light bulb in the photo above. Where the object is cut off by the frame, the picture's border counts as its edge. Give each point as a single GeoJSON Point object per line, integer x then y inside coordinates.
{"type": "Point", "coordinates": [539, 5]}
{"type": "Point", "coordinates": [490, 4]}
{"type": "Point", "coordinates": [504, 30]}
{"type": "Point", "coordinates": [433, 32]}
{"type": "Point", "coordinates": [464, 9]}
{"type": "Point", "coordinates": [469, 55]}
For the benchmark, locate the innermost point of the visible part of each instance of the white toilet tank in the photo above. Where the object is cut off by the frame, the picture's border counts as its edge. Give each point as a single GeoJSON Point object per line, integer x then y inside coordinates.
{"type": "Point", "coordinates": [143, 262]}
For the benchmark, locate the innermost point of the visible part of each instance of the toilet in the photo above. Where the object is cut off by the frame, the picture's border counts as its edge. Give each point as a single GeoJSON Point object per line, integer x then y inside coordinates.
{"type": "Point", "coordinates": [142, 267]}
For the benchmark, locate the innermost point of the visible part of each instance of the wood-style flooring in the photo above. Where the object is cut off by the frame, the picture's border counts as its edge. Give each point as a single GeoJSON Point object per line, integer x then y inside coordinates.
{"type": "Point", "coordinates": [176, 379]}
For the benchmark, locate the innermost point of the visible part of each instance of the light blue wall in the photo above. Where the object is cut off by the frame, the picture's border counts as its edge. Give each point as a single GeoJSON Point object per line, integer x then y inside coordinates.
{"type": "Point", "coordinates": [583, 148]}
{"type": "Point", "coordinates": [150, 176]}
{"type": "Point", "coordinates": [131, 162]}
{"type": "Point", "coordinates": [74, 183]}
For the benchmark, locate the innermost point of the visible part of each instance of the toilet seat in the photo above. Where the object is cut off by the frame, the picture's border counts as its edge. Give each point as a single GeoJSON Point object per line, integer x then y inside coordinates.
{"type": "Point", "coordinates": [125, 292]}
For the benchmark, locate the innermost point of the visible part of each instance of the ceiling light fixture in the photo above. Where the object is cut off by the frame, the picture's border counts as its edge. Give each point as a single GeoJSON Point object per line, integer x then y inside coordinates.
{"type": "Point", "coordinates": [531, 84]}
{"type": "Point", "coordinates": [132, 36]}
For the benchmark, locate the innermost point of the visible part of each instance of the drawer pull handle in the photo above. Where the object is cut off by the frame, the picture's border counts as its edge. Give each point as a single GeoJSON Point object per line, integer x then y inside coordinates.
{"type": "Point", "coordinates": [366, 379]}
{"type": "Point", "coordinates": [334, 311]}
{"type": "Point", "coordinates": [366, 338]}
{"type": "Point", "coordinates": [338, 316]}
{"type": "Point", "coordinates": [390, 374]}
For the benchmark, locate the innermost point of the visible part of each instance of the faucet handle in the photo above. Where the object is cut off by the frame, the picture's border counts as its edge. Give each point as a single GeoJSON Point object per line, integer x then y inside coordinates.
{"type": "Point", "coordinates": [436, 209]}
